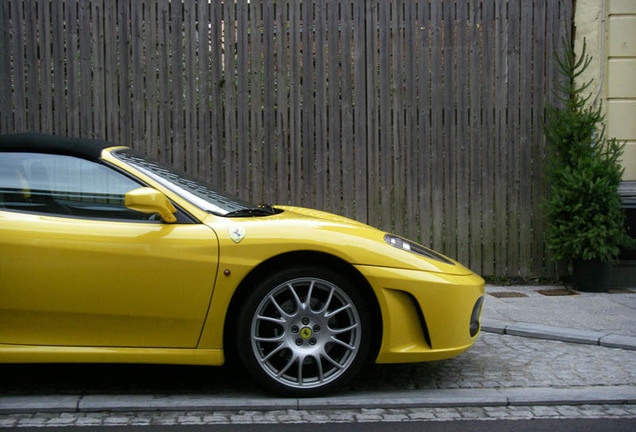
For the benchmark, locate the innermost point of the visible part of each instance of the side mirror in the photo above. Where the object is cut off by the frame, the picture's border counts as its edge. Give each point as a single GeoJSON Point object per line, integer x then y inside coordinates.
{"type": "Point", "coordinates": [148, 200]}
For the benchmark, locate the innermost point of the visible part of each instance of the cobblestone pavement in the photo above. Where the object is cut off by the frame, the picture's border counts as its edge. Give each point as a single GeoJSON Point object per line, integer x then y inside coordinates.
{"type": "Point", "coordinates": [500, 361]}
{"type": "Point", "coordinates": [308, 416]}
{"type": "Point", "coordinates": [496, 361]}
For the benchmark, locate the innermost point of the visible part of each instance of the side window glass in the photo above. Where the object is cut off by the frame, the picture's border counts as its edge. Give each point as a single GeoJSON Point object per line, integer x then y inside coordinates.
{"type": "Point", "coordinates": [64, 186]}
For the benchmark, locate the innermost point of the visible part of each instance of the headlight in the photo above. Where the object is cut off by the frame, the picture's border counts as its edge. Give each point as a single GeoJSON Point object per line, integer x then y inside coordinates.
{"type": "Point", "coordinates": [415, 248]}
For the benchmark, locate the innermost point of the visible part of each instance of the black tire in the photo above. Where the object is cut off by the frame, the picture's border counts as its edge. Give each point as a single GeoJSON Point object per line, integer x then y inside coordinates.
{"type": "Point", "coordinates": [307, 344]}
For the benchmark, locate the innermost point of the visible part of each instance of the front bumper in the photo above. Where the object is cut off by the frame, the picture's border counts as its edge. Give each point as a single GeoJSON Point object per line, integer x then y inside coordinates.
{"type": "Point", "coordinates": [426, 316]}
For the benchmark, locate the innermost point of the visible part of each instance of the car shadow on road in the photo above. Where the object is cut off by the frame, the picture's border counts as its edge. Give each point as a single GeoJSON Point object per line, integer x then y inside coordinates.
{"type": "Point", "coordinates": [32, 379]}
{"type": "Point", "coordinates": [115, 379]}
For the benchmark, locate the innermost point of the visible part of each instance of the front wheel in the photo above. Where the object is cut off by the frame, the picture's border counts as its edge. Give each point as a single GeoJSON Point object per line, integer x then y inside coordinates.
{"type": "Point", "coordinates": [303, 331]}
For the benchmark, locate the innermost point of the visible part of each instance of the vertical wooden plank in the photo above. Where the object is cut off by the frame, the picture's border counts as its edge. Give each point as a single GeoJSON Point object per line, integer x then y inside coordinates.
{"type": "Point", "coordinates": [565, 18]}
{"type": "Point", "coordinates": [269, 114]}
{"type": "Point", "coordinates": [6, 110]}
{"type": "Point", "coordinates": [282, 119]}
{"type": "Point", "coordinates": [411, 159]}
{"type": "Point", "coordinates": [217, 134]}
{"type": "Point", "coordinates": [70, 16]}
{"type": "Point", "coordinates": [424, 115]}
{"type": "Point", "coordinates": [524, 155]}
{"type": "Point", "coordinates": [347, 110]}
{"type": "Point", "coordinates": [398, 144]}
{"type": "Point", "coordinates": [97, 45]}
{"type": "Point", "coordinates": [335, 135]}
{"type": "Point", "coordinates": [176, 71]}
{"type": "Point", "coordinates": [203, 104]}
{"type": "Point", "coordinates": [360, 139]}
{"type": "Point", "coordinates": [386, 152]}
{"type": "Point", "coordinates": [229, 80]}
{"type": "Point", "coordinates": [254, 145]}
{"type": "Point", "coordinates": [513, 145]}
{"type": "Point", "coordinates": [538, 141]}
{"type": "Point", "coordinates": [308, 139]}
{"type": "Point", "coordinates": [151, 132]}
{"type": "Point", "coordinates": [191, 133]}
{"type": "Point", "coordinates": [321, 107]}
{"type": "Point", "coordinates": [450, 130]}
{"type": "Point", "coordinates": [219, 140]}
{"type": "Point", "coordinates": [57, 59]}
{"type": "Point", "coordinates": [501, 167]}
{"type": "Point", "coordinates": [17, 51]}
{"type": "Point", "coordinates": [553, 41]}
{"type": "Point", "coordinates": [217, 115]}
{"type": "Point", "coordinates": [437, 150]}
{"type": "Point", "coordinates": [125, 102]}
{"type": "Point", "coordinates": [31, 48]}
{"type": "Point", "coordinates": [371, 99]}
{"type": "Point", "coordinates": [44, 12]}
{"type": "Point", "coordinates": [163, 39]}
{"type": "Point", "coordinates": [85, 75]}
{"type": "Point", "coordinates": [139, 136]}
{"type": "Point", "coordinates": [110, 70]}
{"type": "Point", "coordinates": [488, 140]}
{"type": "Point", "coordinates": [243, 149]}
{"type": "Point", "coordinates": [462, 140]}
{"type": "Point", "coordinates": [478, 104]}
{"type": "Point", "coordinates": [554, 34]}
{"type": "Point", "coordinates": [295, 126]}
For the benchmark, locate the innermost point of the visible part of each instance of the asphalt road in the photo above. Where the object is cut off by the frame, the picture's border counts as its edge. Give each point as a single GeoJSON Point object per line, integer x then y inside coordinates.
{"type": "Point", "coordinates": [539, 425]}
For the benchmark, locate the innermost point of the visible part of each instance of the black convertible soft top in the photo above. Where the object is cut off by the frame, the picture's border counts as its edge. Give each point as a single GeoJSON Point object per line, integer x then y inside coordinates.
{"type": "Point", "coordinates": [54, 144]}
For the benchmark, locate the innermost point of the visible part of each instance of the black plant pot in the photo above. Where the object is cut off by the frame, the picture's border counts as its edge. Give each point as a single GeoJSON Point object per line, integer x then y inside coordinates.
{"type": "Point", "coordinates": [591, 275]}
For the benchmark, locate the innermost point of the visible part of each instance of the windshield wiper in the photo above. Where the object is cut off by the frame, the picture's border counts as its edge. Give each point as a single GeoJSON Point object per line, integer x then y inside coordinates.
{"type": "Point", "coordinates": [251, 211]}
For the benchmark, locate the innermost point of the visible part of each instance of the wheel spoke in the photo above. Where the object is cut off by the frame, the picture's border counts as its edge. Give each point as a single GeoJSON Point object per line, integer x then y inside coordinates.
{"type": "Point", "coordinates": [337, 311]}
{"type": "Point", "coordinates": [328, 302]}
{"type": "Point", "coordinates": [301, 361]}
{"type": "Point", "coordinates": [308, 299]}
{"type": "Point", "coordinates": [344, 344]}
{"type": "Point", "coordinates": [299, 304]}
{"type": "Point", "coordinates": [278, 308]}
{"type": "Point", "coordinates": [269, 339]}
{"type": "Point", "coordinates": [287, 366]}
{"type": "Point", "coordinates": [272, 319]}
{"type": "Point", "coordinates": [344, 330]}
{"type": "Point", "coordinates": [272, 352]}
{"type": "Point", "coordinates": [332, 361]}
{"type": "Point", "coordinates": [321, 374]}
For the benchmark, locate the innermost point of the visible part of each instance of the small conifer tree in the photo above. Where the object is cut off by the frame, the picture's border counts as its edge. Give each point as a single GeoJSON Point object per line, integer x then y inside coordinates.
{"type": "Point", "coordinates": [585, 216]}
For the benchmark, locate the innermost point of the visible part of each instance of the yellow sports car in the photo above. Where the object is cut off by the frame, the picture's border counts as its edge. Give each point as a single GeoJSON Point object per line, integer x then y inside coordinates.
{"type": "Point", "coordinates": [107, 256]}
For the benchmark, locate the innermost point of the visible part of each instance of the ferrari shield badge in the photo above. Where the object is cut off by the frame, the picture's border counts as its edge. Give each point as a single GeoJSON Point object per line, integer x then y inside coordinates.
{"type": "Point", "coordinates": [237, 234]}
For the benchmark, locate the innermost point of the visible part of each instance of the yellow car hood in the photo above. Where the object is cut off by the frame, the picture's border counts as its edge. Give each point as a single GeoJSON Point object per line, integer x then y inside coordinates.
{"type": "Point", "coordinates": [302, 229]}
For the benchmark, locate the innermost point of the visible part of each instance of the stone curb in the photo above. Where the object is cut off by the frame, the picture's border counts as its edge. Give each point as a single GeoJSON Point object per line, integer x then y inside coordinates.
{"type": "Point", "coordinates": [540, 331]}
{"type": "Point", "coordinates": [431, 398]}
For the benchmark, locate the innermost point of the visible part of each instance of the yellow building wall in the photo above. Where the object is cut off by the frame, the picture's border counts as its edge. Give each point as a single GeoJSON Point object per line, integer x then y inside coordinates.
{"type": "Point", "coordinates": [621, 79]}
{"type": "Point", "coordinates": [616, 48]}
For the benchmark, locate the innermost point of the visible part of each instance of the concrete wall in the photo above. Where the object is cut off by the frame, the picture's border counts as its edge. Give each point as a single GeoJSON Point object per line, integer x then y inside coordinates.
{"type": "Point", "coordinates": [613, 49]}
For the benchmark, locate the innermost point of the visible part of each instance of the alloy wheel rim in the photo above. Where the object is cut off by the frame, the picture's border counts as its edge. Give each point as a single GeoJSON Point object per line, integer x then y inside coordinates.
{"type": "Point", "coordinates": [305, 333]}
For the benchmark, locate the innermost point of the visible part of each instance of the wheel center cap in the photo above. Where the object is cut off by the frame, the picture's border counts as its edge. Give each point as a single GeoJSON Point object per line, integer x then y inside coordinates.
{"type": "Point", "coordinates": [305, 333]}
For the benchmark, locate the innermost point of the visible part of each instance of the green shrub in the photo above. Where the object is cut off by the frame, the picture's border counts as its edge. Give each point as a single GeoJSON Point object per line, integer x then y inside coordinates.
{"type": "Point", "coordinates": [585, 216]}
{"type": "Point", "coordinates": [585, 212]}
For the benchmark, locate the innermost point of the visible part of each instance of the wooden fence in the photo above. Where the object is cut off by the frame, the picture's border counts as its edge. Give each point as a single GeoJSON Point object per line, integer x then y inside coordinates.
{"type": "Point", "coordinates": [419, 117]}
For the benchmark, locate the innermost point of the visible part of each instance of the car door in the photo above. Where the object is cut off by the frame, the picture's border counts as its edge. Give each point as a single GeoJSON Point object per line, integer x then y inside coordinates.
{"type": "Point", "coordinates": [78, 268]}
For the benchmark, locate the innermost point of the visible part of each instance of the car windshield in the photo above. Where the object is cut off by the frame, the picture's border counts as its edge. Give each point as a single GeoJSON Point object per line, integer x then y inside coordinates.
{"type": "Point", "coordinates": [194, 191]}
